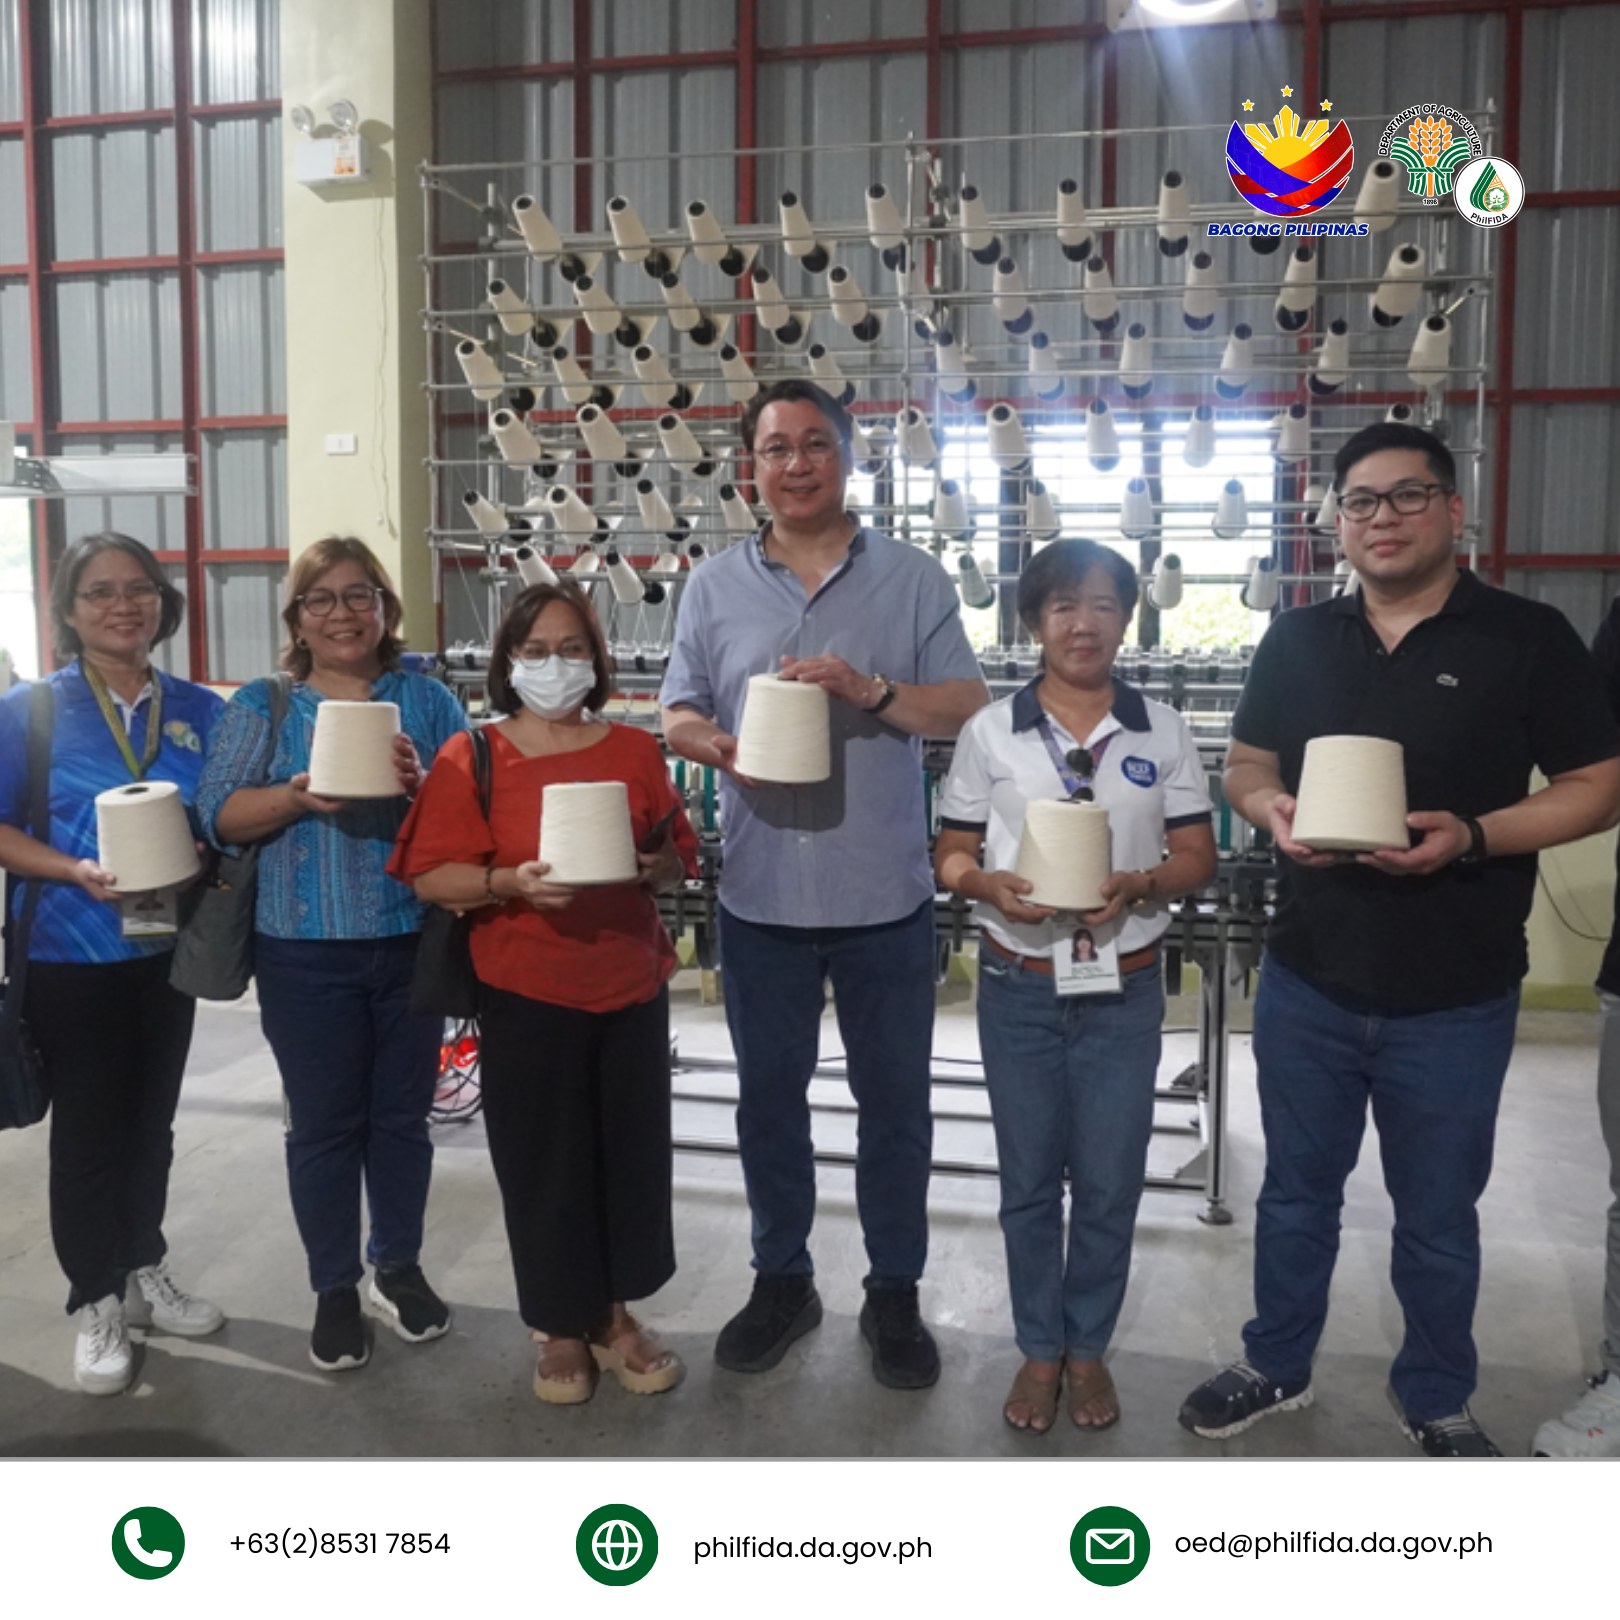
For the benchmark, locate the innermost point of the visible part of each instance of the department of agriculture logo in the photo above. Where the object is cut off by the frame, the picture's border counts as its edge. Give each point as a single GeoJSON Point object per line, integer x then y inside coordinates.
{"type": "Point", "coordinates": [1287, 169]}
{"type": "Point", "coordinates": [616, 1544]}
{"type": "Point", "coordinates": [1109, 1546]}
{"type": "Point", "coordinates": [148, 1543]}
{"type": "Point", "coordinates": [1431, 143]}
{"type": "Point", "coordinates": [1489, 191]}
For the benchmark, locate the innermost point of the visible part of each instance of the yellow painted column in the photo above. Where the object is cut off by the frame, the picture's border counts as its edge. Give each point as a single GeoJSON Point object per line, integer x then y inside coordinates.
{"type": "Point", "coordinates": [355, 355]}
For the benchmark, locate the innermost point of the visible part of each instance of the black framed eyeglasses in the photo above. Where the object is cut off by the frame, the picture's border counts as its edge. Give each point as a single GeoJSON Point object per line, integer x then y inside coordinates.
{"type": "Point", "coordinates": [139, 591]}
{"type": "Point", "coordinates": [816, 451]}
{"type": "Point", "coordinates": [356, 598]}
{"type": "Point", "coordinates": [1361, 505]}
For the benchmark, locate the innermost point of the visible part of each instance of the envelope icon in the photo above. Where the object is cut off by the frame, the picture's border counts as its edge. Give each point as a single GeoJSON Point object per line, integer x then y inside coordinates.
{"type": "Point", "coordinates": [1110, 1546]}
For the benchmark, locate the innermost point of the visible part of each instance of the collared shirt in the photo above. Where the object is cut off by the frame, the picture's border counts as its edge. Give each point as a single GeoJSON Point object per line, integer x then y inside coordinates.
{"type": "Point", "coordinates": [1148, 779]}
{"type": "Point", "coordinates": [1489, 687]}
{"type": "Point", "coordinates": [85, 760]}
{"type": "Point", "coordinates": [851, 851]}
{"type": "Point", "coordinates": [322, 876]}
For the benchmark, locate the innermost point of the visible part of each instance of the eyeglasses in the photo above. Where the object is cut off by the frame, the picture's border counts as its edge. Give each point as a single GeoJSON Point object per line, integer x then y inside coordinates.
{"type": "Point", "coordinates": [139, 591]}
{"type": "Point", "coordinates": [356, 598]}
{"type": "Point", "coordinates": [816, 451]}
{"type": "Point", "coordinates": [1361, 505]}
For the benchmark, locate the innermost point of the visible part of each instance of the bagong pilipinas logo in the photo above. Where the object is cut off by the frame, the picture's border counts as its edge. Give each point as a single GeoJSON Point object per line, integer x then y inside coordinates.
{"type": "Point", "coordinates": [1431, 142]}
{"type": "Point", "coordinates": [1287, 170]}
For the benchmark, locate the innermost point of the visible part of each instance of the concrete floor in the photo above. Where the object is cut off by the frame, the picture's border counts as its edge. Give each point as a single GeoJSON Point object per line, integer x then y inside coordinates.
{"type": "Point", "coordinates": [251, 1390]}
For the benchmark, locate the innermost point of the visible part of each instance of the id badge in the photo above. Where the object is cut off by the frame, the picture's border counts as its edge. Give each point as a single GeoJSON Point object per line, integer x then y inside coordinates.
{"type": "Point", "coordinates": [153, 915]}
{"type": "Point", "coordinates": [1085, 960]}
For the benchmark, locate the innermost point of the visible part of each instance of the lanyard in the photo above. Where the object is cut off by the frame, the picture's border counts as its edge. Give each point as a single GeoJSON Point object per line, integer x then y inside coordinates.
{"type": "Point", "coordinates": [154, 721]}
{"type": "Point", "coordinates": [1071, 783]}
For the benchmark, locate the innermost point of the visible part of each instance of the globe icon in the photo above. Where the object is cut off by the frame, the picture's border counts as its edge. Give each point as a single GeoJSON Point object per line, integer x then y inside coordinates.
{"type": "Point", "coordinates": [617, 1544]}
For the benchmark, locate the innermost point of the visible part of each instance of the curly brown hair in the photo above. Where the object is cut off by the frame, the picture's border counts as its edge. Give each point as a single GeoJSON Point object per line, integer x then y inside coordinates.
{"type": "Point", "coordinates": [307, 571]}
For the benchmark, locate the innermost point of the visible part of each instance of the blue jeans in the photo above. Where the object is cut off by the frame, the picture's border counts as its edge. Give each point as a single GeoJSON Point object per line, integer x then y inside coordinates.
{"type": "Point", "coordinates": [1071, 1083]}
{"type": "Point", "coordinates": [1434, 1081]}
{"type": "Point", "coordinates": [883, 989]}
{"type": "Point", "coordinates": [358, 1068]}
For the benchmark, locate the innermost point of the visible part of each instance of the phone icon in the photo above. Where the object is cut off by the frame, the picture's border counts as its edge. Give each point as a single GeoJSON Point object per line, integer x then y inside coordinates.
{"type": "Point", "coordinates": [148, 1543]}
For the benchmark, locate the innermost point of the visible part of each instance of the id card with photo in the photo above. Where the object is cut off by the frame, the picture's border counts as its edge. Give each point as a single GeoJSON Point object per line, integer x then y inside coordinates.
{"type": "Point", "coordinates": [1085, 960]}
{"type": "Point", "coordinates": [152, 915]}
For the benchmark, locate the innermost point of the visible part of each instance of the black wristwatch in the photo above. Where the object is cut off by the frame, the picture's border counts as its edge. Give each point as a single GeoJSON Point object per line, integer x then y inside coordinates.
{"type": "Point", "coordinates": [890, 693]}
{"type": "Point", "coordinates": [1476, 851]}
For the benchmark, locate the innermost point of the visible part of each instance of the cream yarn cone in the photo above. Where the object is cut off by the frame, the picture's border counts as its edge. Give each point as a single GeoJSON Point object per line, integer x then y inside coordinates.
{"type": "Point", "coordinates": [1352, 795]}
{"type": "Point", "coordinates": [1065, 852]}
{"type": "Point", "coordinates": [585, 835]}
{"type": "Point", "coordinates": [144, 838]}
{"type": "Point", "coordinates": [785, 732]}
{"type": "Point", "coordinates": [352, 756]}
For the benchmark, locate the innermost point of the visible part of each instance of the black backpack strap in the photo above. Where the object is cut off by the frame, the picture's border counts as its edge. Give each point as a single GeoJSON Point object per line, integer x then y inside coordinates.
{"type": "Point", "coordinates": [483, 768]}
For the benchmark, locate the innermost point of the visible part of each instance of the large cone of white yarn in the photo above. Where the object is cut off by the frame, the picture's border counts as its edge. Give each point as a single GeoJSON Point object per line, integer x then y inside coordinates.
{"type": "Point", "coordinates": [144, 838]}
{"type": "Point", "coordinates": [785, 733]}
{"type": "Point", "coordinates": [1352, 795]}
{"type": "Point", "coordinates": [1065, 853]}
{"type": "Point", "coordinates": [585, 834]}
{"type": "Point", "coordinates": [352, 756]}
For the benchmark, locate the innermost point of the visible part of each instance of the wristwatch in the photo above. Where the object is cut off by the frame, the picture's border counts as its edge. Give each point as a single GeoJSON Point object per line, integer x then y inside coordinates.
{"type": "Point", "coordinates": [890, 693]}
{"type": "Point", "coordinates": [1476, 851]}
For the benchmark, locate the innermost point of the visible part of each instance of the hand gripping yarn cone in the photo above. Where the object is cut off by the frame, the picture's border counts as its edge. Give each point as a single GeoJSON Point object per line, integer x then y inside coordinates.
{"type": "Point", "coordinates": [578, 389]}
{"type": "Point", "coordinates": [1097, 300]}
{"type": "Point", "coordinates": [1201, 298]}
{"type": "Point", "coordinates": [1165, 591]}
{"type": "Point", "coordinates": [1332, 360]}
{"type": "Point", "coordinates": [1073, 233]}
{"type": "Point", "coordinates": [585, 833]}
{"type": "Point", "coordinates": [884, 227]}
{"type": "Point", "coordinates": [1102, 438]}
{"type": "Point", "coordinates": [1379, 197]}
{"type": "Point", "coordinates": [701, 330]}
{"type": "Point", "coordinates": [1430, 359]}
{"type": "Point", "coordinates": [1198, 449]}
{"type": "Point", "coordinates": [1065, 854]}
{"type": "Point", "coordinates": [1136, 362]}
{"type": "Point", "coordinates": [785, 733]}
{"type": "Point", "coordinates": [1352, 795]}
{"type": "Point", "coordinates": [1402, 286]}
{"type": "Point", "coordinates": [1175, 214]}
{"type": "Point", "coordinates": [826, 370]}
{"type": "Point", "coordinates": [682, 448]}
{"type": "Point", "coordinates": [532, 568]}
{"type": "Point", "coordinates": [1040, 516]}
{"type": "Point", "coordinates": [799, 236]}
{"type": "Point", "coordinates": [1293, 434]}
{"type": "Point", "coordinates": [604, 441]}
{"type": "Point", "coordinates": [1297, 297]}
{"type": "Point", "coordinates": [1231, 512]}
{"type": "Point", "coordinates": [977, 591]}
{"type": "Point", "coordinates": [952, 519]}
{"type": "Point", "coordinates": [772, 310]}
{"type": "Point", "coordinates": [1236, 363]}
{"type": "Point", "coordinates": [1259, 595]}
{"type": "Point", "coordinates": [977, 236]}
{"type": "Point", "coordinates": [516, 318]}
{"type": "Point", "coordinates": [709, 244]}
{"type": "Point", "coordinates": [352, 754]}
{"type": "Point", "coordinates": [143, 837]}
{"type": "Point", "coordinates": [1045, 380]}
{"type": "Point", "coordinates": [479, 367]}
{"type": "Point", "coordinates": [1136, 510]}
{"type": "Point", "coordinates": [949, 368]}
{"type": "Point", "coordinates": [1007, 296]}
{"type": "Point", "coordinates": [915, 438]}
{"type": "Point", "coordinates": [849, 305]}
{"type": "Point", "coordinates": [1009, 446]}
{"type": "Point", "coordinates": [539, 234]}
{"type": "Point", "coordinates": [741, 383]}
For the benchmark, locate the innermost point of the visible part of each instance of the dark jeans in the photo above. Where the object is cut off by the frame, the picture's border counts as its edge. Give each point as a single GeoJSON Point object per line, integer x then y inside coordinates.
{"type": "Point", "coordinates": [114, 1038]}
{"type": "Point", "coordinates": [359, 1068]}
{"type": "Point", "coordinates": [1434, 1081]}
{"type": "Point", "coordinates": [577, 1109]}
{"type": "Point", "coordinates": [883, 988]}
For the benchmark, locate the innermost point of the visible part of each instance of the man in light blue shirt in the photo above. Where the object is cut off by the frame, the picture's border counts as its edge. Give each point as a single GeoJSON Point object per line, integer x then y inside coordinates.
{"type": "Point", "coordinates": [829, 881]}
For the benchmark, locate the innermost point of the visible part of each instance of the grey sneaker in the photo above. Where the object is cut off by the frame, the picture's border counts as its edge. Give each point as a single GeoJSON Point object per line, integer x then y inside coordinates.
{"type": "Point", "coordinates": [1457, 1435]}
{"type": "Point", "coordinates": [1590, 1428]}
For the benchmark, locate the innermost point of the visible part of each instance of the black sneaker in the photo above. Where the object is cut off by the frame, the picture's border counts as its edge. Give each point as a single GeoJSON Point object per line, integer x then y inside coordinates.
{"type": "Point", "coordinates": [1236, 1397]}
{"type": "Point", "coordinates": [402, 1294]}
{"type": "Point", "coordinates": [780, 1310]}
{"type": "Point", "coordinates": [340, 1340]}
{"type": "Point", "coordinates": [904, 1355]}
{"type": "Point", "coordinates": [1456, 1436]}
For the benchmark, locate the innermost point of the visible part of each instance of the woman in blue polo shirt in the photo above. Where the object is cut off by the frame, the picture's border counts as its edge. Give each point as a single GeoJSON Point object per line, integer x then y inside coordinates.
{"type": "Point", "coordinates": [1072, 1075]}
{"type": "Point", "coordinates": [112, 1033]}
{"type": "Point", "coordinates": [334, 947]}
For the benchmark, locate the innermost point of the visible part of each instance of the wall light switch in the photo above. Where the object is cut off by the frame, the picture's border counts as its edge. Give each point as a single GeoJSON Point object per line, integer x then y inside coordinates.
{"type": "Point", "coordinates": [340, 444]}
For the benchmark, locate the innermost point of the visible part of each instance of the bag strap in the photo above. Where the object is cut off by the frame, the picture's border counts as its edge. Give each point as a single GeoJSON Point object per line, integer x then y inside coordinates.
{"type": "Point", "coordinates": [280, 700]}
{"type": "Point", "coordinates": [41, 720]}
{"type": "Point", "coordinates": [483, 768]}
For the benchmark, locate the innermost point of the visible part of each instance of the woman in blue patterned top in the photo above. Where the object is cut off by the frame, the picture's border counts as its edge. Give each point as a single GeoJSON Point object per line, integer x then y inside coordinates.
{"type": "Point", "coordinates": [112, 1033]}
{"type": "Point", "coordinates": [334, 947]}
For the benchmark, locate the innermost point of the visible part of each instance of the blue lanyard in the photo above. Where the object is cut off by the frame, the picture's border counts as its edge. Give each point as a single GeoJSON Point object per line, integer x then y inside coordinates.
{"type": "Point", "coordinates": [1072, 784]}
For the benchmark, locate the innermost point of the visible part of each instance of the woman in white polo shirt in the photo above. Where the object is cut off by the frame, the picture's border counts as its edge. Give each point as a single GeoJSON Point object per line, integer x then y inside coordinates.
{"type": "Point", "coordinates": [1071, 1076]}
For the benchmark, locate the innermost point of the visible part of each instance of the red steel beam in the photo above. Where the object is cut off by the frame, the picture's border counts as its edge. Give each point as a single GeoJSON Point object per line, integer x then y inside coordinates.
{"type": "Point", "coordinates": [747, 70]}
{"type": "Point", "coordinates": [207, 112]}
{"type": "Point", "coordinates": [140, 118]}
{"type": "Point", "coordinates": [222, 557]}
{"type": "Point", "coordinates": [1506, 294]}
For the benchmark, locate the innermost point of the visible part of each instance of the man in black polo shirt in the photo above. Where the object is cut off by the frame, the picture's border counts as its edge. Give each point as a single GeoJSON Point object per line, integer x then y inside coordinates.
{"type": "Point", "coordinates": [1393, 978]}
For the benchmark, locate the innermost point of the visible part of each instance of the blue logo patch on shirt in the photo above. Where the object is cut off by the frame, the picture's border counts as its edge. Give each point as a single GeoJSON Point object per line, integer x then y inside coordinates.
{"type": "Point", "coordinates": [1143, 772]}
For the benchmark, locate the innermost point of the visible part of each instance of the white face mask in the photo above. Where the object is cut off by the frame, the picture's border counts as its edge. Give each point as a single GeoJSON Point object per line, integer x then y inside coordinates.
{"type": "Point", "coordinates": [552, 687]}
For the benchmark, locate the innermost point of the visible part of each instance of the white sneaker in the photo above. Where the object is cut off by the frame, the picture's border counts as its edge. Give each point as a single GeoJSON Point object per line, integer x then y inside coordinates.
{"type": "Point", "coordinates": [1590, 1428]}
{"type": "Point", "coordinates": [101, 1358]}
{"type": "Point", "coordinates": [155, 1299]}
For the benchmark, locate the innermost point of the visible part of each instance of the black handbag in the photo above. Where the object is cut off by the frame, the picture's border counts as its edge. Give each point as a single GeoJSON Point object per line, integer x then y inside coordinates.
{"type": "Point", "coordinates": [213, 956]}
{"type": "Point", "coordinates": [24, 1093]}
{"type": "Point", "coordinates": [443, 983]}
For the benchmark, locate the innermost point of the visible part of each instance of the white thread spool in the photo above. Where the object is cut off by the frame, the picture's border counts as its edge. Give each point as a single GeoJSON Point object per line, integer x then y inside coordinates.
{"type": "Point", "coordinates": [772, 309]}
{"type": "Point", "coordinates": [849, 305]}
{"type": "Point", "coordinates": [741, 384]}
{"type": "Point", "coordinates": [1165, 591]}
{"type": "Point", "coordinates": [596, 305]}
{"type": "Point", "coordinates": [1136, 510]}
{"type": "Point", "coordinates": [1136, 362]}
{"type": "Point", "coordinates": [1200, 299]}
{"type": "Point", "coordinates": [1175, 214]}
{"type": "Point", "coordinates": [1198, 448]}
{"type": "Point", "coordinates": [977, 236]}
{"type": "Point", "coordinates": [517, 445]}
{"type": "Point", "coordinates": [488, 517]}
{"type": "Point", "coordinates": [1097, 301]}
{"type": "Point", "coordinates": [709, 243]}
{"type": "Point", "coordinates": [977, 591]}
{"type": "Point", "coordinates": [629, 234]}
{"type": "Point", "coordinates": [1065, 853]}
{"type": "Point", "coordinates": [950, 374]}
{"type": "Point", "coordinates": [1045, 380]}
{"type": "Point", "coordinates": [682, 448]}
{"type": "Point", "coordinates": [1073, 234]}
{"type": "Point", "coordinates": [884, 228]}
{"type": "Point", "coordinates": [585, 835]}
{"type": "Point", "coordinates": [1007, 296]}
{"type": "Point", "coordinates": [1293, 434]}
{"type": "Point", "coordinates": [1297, 297]}
{"type": "Point", "coordinates": [785, 734]}
{"type": "Point", "coordinates": [1009, 447]}
{"type": "Point", "coordinates": [738, 514]}
{"type": "Point", "coordinates": [1352, 795]}
{"type": "Point", "coordinates": [1231, 512]}
{"type": "Point", "coordinates": [1402, 286]}
{"type": "Point", "coordinates": [1237, 360]}
{"type": "Point", "coordinates": [479, 368]}
{"type": "Point", "coordinates": [143, 836]}
{"type": "Point", "coordinates": [1379, 197]}
{"type": "Point", "coordinates": [1327, 511]}
{"type": "Point", "coordinates": [1430, 358]}
{"type": "Point", "coordinates": [915, 438]}
{"type": "Point", "coordinates": [952, 519]}
{"type": "Point", "coordinates": [539, 234]}
{"type": "Point", "coordinates": [516, 318]}
{"type": "Point", "coordinates": [352, 756]}
{"type": "Point", "coordinates": [578, 389]}
{"type": "Point", "coordinates": [1040, 516]}
{"type": "Point", "coordinates": [532, 568]}
{"type": "Point", "coordinates": [1332, 360]}
{"type": "Point", "coordinates": [799, 235]}
{"type": "Point", "coordinates": [1102, 440]}
{"type": "Point", "coordinates": [825, 369]}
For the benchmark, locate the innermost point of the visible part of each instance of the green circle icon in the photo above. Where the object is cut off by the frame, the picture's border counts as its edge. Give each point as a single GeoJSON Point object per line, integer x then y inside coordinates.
{"type": "Point", "coordinates": [148, 1543]}
{"type": "Point", "coordinates": [616, 1545]}
{"type": "Point", "coordinates": [1109, 1546]}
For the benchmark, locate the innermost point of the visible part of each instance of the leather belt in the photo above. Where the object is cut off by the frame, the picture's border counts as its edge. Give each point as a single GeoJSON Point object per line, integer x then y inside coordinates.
{"type": "Point", "coordinates": [1131, 962]}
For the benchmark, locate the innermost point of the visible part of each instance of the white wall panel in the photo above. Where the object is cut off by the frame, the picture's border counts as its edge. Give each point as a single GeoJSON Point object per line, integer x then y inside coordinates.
{"type": "Point", "coordinates": [118, 347]}
{"type": "Point", "coordinates": [242, 341]}
{"type": "Point", "coordinates": [239, 172]}
{"type": "Point", "coordinates": [236, 52]}
{"type": "Point", "coordinates": [16, 360]}
{"type": "Point", "coordinates": [113, 195]}
{"type": "Point", "coordinates": [110, 56]}
{"type": "Point", "coordinates": [245, 631]}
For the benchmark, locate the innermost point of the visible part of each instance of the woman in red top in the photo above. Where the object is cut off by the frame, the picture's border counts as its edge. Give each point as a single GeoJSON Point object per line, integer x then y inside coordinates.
{"type": "Point", "coordinates": [574, 1004]}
